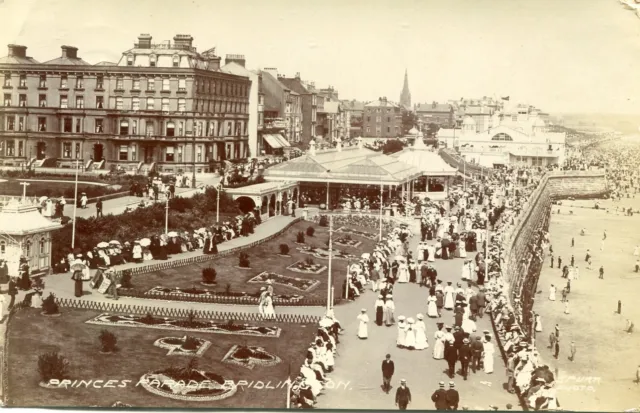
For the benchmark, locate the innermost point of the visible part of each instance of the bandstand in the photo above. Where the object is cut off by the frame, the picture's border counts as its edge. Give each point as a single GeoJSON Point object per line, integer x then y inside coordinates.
{"type": "Point", "coordinates": [437, 175]}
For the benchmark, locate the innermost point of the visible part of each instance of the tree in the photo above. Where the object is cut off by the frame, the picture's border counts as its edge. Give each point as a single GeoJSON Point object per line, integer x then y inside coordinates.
{"type": "Point", "coordinates": [409, 120]}
{"type": "Point", "coordinates": [432, 130]}
{"type": "Point", "coordinates": [392, 146]}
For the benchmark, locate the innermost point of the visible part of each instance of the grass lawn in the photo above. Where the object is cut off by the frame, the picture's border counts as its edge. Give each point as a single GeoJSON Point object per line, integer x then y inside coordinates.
{"type": "Point", "coordinates": [263, 257]}
{"type": "Point", "coordinates": [56, 189]}
{"type": "Point", "coordinates": [603, 350]}
{"type": "Point", "coordinates": [31, 334]}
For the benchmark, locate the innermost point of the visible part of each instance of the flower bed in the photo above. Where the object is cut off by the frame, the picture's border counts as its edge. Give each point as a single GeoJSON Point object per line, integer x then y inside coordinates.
{"type": "Point", "coordinates": [323, 253]}
{"type": "Point", "coordinates": [201, 326]}
{"type": "Point", "coordinates": [347, 242]}
{"type": "Point", "coordinates": [363, 234]}
{"type": "Point", "coordinates": [306, 268]}
{"type": "Point", "coordinates": [176, 346]}
{"type": "Point", "coordinates": [187, 384]}
{"type": "Point", "coordinates": [299, 284]}
{"type": "Point", "coordinates": [250, 356]}
{"type": "Point", "coordinates": [198, 295]}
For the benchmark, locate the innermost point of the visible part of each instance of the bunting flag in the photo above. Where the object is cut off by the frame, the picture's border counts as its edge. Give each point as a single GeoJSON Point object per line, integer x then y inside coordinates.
{"type": "Point", "coordinates": [505, 97]}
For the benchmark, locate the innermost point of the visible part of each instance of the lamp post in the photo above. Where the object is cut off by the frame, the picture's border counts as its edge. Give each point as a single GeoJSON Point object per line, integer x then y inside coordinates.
{"type": "Point", "coordinates": [218, 202]}
{"type": "Point", "coordinates": [329, 281]}
{"type": "Point", "coordinates": [75, 207]}
{"type": "Point", "coordinates": [193, 154]}
{"type": "Point", "coordinates": [381, 196]}
{"type": "Point", "coordinates": [166, 217]}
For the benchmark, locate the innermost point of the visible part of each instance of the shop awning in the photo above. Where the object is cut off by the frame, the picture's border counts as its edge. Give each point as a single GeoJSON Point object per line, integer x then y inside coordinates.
{"type": "Point", "coordinates": [276, 141]}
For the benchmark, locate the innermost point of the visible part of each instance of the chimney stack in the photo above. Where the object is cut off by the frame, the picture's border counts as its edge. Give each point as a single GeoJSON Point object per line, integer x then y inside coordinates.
{"type": "Point", "coordinates": [144, 41]}
{"type": "Point", "coordinates": [298, 75]}
{"type": "Point", "coordinates": [17, 50]}
{"type": "Point", "coordinates": [183, 41]}
{"type": "Point", "coordinates": [69, 52]}
{"type": "Point", "coordinates": [273, 71]}
{"type": "Point", "coordinates": [236, 58]}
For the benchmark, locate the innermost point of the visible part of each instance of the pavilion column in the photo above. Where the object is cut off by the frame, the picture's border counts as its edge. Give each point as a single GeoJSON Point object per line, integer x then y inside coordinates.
{"type": "Point", "coordinates": [298, 196]}
{"type": "Point", "coordinates": [328, 198]}
{"type": "Point", "coordinates": [413, 181]}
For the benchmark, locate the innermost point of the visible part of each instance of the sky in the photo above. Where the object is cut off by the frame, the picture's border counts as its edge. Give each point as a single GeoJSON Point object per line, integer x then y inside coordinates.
{"type": "Point", "coordinates": [576, 56]}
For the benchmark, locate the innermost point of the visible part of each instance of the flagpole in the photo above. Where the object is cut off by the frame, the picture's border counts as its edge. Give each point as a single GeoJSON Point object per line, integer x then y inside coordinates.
{"type": "Point", "coordinates": [166, 217]}
{"type": "Point", "coordinates": [329, 281]}
{"type": "Point", "coordinates": [381, 196]}
{"type": "Point", "coordinates": [75, 208]}
{"type": "Point", "coordinates": [218, 202]}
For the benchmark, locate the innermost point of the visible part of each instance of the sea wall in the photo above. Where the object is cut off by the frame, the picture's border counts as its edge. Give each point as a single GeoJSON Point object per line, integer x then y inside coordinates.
{"type": "Point", "coordinates": [518, 241]}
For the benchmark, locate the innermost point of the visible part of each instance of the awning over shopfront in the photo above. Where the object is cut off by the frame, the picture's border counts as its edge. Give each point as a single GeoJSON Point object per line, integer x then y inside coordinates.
{"type": "Point", "coordinates": [535, 154]}
{"type": "Point", "coordinates": [276, 141]}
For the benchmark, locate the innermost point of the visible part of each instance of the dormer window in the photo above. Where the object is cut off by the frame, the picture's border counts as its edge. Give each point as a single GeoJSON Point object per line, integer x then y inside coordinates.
{"type": "Point", "coordinates": [176, 61]}
{"type": "Point", "coordinates": [130, 60]}
{"type": "Point", "coordinates": [152, 60]}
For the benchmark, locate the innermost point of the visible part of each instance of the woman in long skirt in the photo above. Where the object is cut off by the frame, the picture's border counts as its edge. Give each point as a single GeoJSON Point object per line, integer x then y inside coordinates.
{"type": "Point", "coordinates": [402, 326]}
{"type": "Point", "coordinates": [538, 323]}
{"type": "Point", "coordinates": [363, 328]}
{"type": "Point", "coordinates": [389, 308]}
{"type": "Point", "coordinates": [421, 334]}
{"type": "Point", "coordinates": [412, 270]}
{"type": "Point", "coordinates": [269, 312]}
{"type": "Point", "coordinates": [487, 359]}
{"type": "Point", "coordinates": [438, 346]}
{"type": "Point", "coordinates": [77, 278]}
{"type": "Point", "coordinates": [552, 293]}
{"type": "Point", "coordinates": [410, 337]}
{"type": "Point", "coordinates": [432, 309]}
{"type": "Point", "coordinates": [379, 310]}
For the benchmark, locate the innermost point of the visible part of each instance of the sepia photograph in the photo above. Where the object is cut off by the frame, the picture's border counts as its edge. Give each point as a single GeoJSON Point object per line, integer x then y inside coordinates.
{"type": "Point", "coordinates": [330, 205]}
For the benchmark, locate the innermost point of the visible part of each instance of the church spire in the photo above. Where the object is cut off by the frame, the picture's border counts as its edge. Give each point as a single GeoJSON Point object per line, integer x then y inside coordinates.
{"type": "Point", "coordinates": [405, 96]}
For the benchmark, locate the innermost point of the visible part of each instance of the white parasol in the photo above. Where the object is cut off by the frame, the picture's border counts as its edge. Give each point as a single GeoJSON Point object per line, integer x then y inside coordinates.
{"type": "Point", "coordinates": [172, 234]}
{"type": "Point", "coordinates": [43, 198]}
{"type": "Point", "coordinates": [365, 256]}
{"type": "Point", "coordinates": [116, 242]}
{"type": "Point", "coordinates": [103, 244]}
{"type": "Point", "coordinates": [145, 242]}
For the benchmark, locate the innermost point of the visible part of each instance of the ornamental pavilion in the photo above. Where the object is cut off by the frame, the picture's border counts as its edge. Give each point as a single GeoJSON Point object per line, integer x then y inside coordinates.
{"type": "Point", "coordinates": [332, 174]}
{"type": "Point", "coordinates": [436, 173]}
{"type": "Point", "coordinates": [267, 197]}
{"type": "Point", "coordinates": [24, 232]}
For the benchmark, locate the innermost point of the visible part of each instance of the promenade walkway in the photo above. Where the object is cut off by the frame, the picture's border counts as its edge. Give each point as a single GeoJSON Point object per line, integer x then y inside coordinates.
{"type": "Point", "coordinates": [359, 361]}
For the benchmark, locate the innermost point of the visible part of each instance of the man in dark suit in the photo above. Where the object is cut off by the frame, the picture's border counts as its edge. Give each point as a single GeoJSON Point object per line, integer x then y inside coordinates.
{"type": "Point", "coordinates": [476, 353]}
{"type": "Point", "coordinates": [464, 354]}
{"type": "Point", "coordinates": [439, 397]}
{"type": "Point", "coordinates": [424, 275]}
{"type": "Point", "coordinates": [451, 355]}
{"type": "Point", "coordinates": [482, 302]}
{"type": "Point", "coordinates": [473, 307]}
{"type": "Point", "coordinates": [453, 398]}
{"type": "Point", "coordinates": [13, 291]}
{"type": "Point", "coordinates": [403, 395]}
{"type": "Point", "coordinates": [388, 368]}
{"type": "Point", "coordinates": [458, 336]}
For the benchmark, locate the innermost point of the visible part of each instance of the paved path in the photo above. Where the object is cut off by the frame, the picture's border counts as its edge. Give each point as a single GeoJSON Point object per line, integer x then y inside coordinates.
{"type": "Point", "coordinates": [359, 361]}
{"type": "Point", "coordinates": [117, 206]}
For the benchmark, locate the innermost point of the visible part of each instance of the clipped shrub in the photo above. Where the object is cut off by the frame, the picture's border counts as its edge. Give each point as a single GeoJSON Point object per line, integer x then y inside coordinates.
{"type": "Point", "coordinates": [309, 261]}
{"type": "Point", "coordinates": [108, 341]}
{"type": "Point", "coordinates": [324, 222]}
{"type": "Point", "coordinates": [49, 305]}
{"type": "Point", "coordinates": [209, 275]}
{"type": "Point", "coordinates": [227, 289]}
{"type": "Point", "coordinates": [52, 366]}
{"type": "Point", "coordinates": [284, 249]}
{"type": "Point", "coordinates": [125, 281]}
{"type": "Point", "coordinates": [243, 260]}
{"type": "Point", "coordinates": [190, 343]}
{"type": "Point", "coordinates": [148, 319]}
{"type": "Point", "coordinates": [300, 237]}
{"type": "Point", "coordinates": [311, 231]}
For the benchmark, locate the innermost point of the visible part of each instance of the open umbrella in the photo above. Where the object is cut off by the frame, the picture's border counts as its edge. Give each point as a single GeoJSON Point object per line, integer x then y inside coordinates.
{"type": "Point", "coordinates": [103, 245]}
{"type": "Point", "coordinates": [115, 242]}
{"type": "Point", "coordinates": [172, 234]}
{"type": "Point", "coordinates": [43, 198]}
{"type": "Point", "coordinates": [145, 242]}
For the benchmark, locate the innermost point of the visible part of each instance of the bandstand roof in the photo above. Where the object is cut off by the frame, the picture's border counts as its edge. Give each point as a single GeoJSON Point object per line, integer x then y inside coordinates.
{"type": "Point", "coordinates": [22, 219]}
{"type": "Point", "coordinates": [260, 189]}
{"type": "Point", "coordinates": [428, 162]}
{"type": "Point", "coordinates": [350, 166]}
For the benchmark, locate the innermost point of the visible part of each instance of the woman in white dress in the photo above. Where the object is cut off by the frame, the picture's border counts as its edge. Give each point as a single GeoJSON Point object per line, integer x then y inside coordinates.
{"type": "Point", "coordinates": [466, 272]}
{"type": "Point", "coordinates": [487, 358]}
{"type": "Point", "coordinates": [538, 323]}
{"type": "Point", "coordinates": [552, 293]}
{"type": "Point", "coordinates": [636, 251]}
{"type": "Point", "coordinates": [462, 248]}
{"type": "Point", "coordinates": [261, 300]}
{"type": "Point", "coordinates": [410, 337]}
{"type": "Point", "coordinates": [432, 308]}
{"type": "Point", "coordinates": [311, 379]}
{"type": "Point", "coordinates": [389, 309]}
{"type": "Point", "coordinates": [432, 253]}
{"type": "Point", "coordinates": [363, 327]}
{"type": "Point", "coordinates": [421, 334]}
{"type": "Point", "coordinates": [438, 346]}
{"type": "Point", "coordinates": [403, 272]}
{"type": "Point", "coordinates": [269, 312]}
{"type": "Point", "coordinates": [402, 326]}
{"type": "Point", "coordinates": [448, 296]}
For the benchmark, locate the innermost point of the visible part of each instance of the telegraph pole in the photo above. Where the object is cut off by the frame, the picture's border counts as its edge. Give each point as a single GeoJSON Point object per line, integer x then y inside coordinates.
{"type": "Point", "coordinates": [75, 208]}
{"type": "Point", "coordinates": [329, 280]}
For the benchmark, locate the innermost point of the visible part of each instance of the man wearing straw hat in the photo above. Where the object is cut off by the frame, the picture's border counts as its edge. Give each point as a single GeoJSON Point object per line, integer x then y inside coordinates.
{"type": "Point", "coordinates": [403, 395]}
{"type": "Point", "coordinates": [439, 397]}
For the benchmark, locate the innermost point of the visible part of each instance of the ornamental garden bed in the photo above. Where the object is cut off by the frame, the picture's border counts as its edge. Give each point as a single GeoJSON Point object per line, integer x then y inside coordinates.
{"type": "Point", "coordinates": [357, 232]}
{"type": "Point", "coordinates": [300, 284]}
{"type": "Point", "coordinates": [250, 356]}
{"type": "Point", "coordinates": [264, 258]}
{"type": "Point", "coordinates": [306, 267]}
{"type": "Point", "coordinates": [347, 241]}
{"type": "Point", "coordinates": [29, 335]}
{"type": "Point", "coordinates": [201, 326]}
{"type": "Point", "coordinates": [323, 253]}
{"type": "Point", "coordinates": [199, 295]}
{"type": "Point", "coordinates": [183, 346]}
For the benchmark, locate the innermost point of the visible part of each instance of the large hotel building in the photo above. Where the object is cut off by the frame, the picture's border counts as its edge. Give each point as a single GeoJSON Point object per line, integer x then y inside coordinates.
{"type": "Point", "coordinates": [163, 106]}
